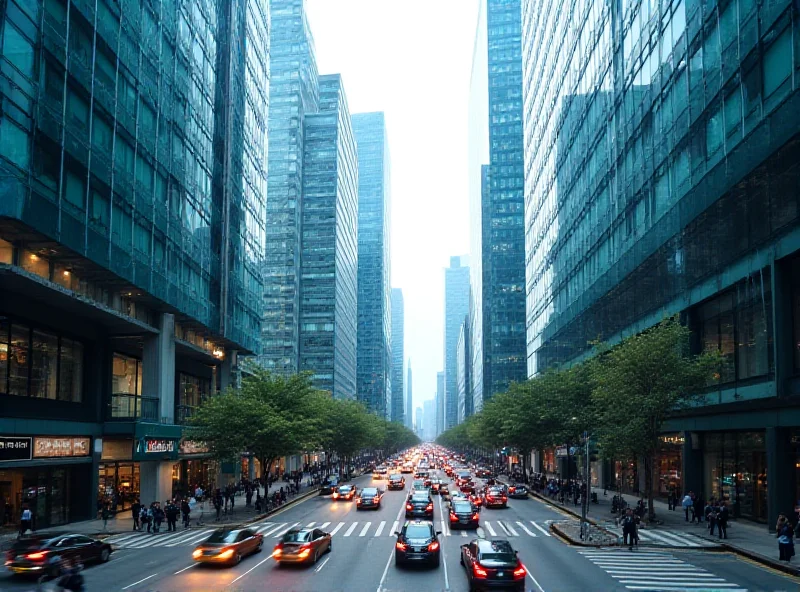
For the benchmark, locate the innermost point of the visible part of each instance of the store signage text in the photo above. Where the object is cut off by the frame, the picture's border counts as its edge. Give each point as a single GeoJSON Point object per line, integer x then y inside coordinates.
{"type": "Point", "coordinates": [61, 447]}
{"type": "Point", "coordinates": [159, 446]}
{"type": "Point", "coordinates": [193, 447]}
{"type": "Point", "coordinates": [15, 448]}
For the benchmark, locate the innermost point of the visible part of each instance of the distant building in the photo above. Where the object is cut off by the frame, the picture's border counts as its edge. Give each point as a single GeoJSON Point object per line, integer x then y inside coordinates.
{"type": "Point", "coordinates": [398, 395]}
{"type": "Point", "coordinates": [374, 299]}
{"type": "Point", "coordinates": [429, 419]}
{"type": "Point", "coordinates": [409, 398]}
{"type": "Point", "coordinates": [440, 422]}
{"type": "Point", "coordinates": [329, 261]}
{"type": "Point", "coordinates": [418, 422]}
{"type": "Point", "coordinates": [456, 307]}
{"type": "Point", "coordinates": [464, 372]}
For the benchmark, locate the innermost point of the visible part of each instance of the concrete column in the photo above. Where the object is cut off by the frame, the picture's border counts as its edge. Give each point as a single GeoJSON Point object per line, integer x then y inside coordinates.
{"type": "Point", "coordinates": [692, 463]}
{"type": "Point", "coordinates": [158, 367]}
{"type": "Point", "coordinates": [780, 473]}
{"type": "Point", "coordinates": [228, 370]}
{"type": "Point", "coordinates": [155, 481]}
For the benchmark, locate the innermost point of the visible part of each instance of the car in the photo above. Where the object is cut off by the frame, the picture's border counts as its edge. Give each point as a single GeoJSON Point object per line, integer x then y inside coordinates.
{"type": "Point", "coordinates": [376, 476]}
{"type": "Point", "coordinates": [492, 564]}
{"type": "Point", "coordinates": [467, 487]}
{"type": "Point", "coordinates": [396, 481]}
{"type": "Point", "coordinates": [463, 515]}
{"type": "Point", "coordinates": [476, 499]}
{"type": "Point", "coordinates": [302, 545]}
{"type": "Point", "coordinates": [382, 469]}
{"type": "Point", "coordinates": [228, 546]}
{"type": "Point", "coordinates": [417, 542]}
{"type": "Point", "coordinates": [444, 489]}
{"type": "Point", "coordinates": [435, 485]}
{"type": "Point", "coordinates": [495, 497]}
{"type": "Point", "coordinates": [344, 493]}
{"type": "Point", "coordinates": [329, 486]}
{"type": "Point", "coordinates": [418, 485]}
{"type": "Point", "coordinates": [419, 503]}
{"type": "Point", "coordinates": [407, 468]}
{"type": "Point", "coordinates": [368, 497]}
{"type": "Point", "coordinates": [41, 554]}
{"type": "Point", "coordinates": [517, 491]}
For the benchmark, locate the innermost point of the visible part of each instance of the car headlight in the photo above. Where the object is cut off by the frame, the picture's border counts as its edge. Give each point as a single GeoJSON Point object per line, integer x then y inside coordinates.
{"type": "Point", "coordinates": [227, 554]}
{"type": "Point", "coordinates": [197, 553]}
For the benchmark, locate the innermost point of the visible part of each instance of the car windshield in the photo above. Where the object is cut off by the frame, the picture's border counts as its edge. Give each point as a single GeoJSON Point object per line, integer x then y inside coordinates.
{"type": "Point", "coordinates": [369, 491]}
{"type": "Point", "coordinates": [418, 531]}
{"type": "Point", "coordinates": [420, 497]}
{"type": "Point", "coordinates": [34, 543]}
{"type": "Point", "coordinates": [345, 488]}
{"type": "Point", "coordinates": [395, 478]}
{"type": "Point", "coordinates": [223, 536]}
{"type": "Point", "coordinates": [497, 556]}
{"type": "Point", "coordinates": [462, 508]}
{"type": "Point", "coordinates": [296, 536]}
{"type": "Point", "coordinates": [495, 492]}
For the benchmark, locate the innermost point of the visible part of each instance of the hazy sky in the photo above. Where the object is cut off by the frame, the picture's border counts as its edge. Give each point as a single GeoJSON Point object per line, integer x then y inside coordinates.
{"type": "Point", "coordinates": [411, 59]}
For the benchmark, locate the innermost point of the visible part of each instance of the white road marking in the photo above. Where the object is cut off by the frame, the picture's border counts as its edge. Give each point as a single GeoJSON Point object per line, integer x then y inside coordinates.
{"type": "Point", "coordinates": [464, 533]}
{"type": "Point", "coordinates": [262, 562]}
{"type": "Point", "coordinates": [184, 569]}
{"type": "Point", "coordinates": [351, 529]}
{"type": "Point", "coordinates": [140, 581]}
{"type": "Point", "coordinates": [321, 565]}
{"type": "Point", "coordinates": [525, 528]}
{"type": "Point", "coordinates": [113, 540]}
{"type": "Point", "coordinates": [394, 528]}
{"type": "Point", "coordinates": [540, 528]}
{"type": "Point", "coordinates": [511, 529]}
{"type": "Point", "coordinates": [155, 540]}
{"type": "Point", "coordinates": [503, 526]}
{"type": "Point", "coordinates": [283, 531]}
{"type": "Point", "coordinates": [335, 530]}
{"type": "Point", "coordinates": [310, 525]}
{"type": "Point", "coordinates": [530, 575]}
{"type": "Point", "coordinates": [324, 525]}
{"type": "Point", "coordinates": [192, 539]}
{"type": "Point", "coordinates": [364, 530]}
{"type": "Point", "coordinates": [386, 570]}
{"type": "Point", "coordinates": [380, 528]}
{"type": "Point", "coordinates": [488, 526]}
{"type": "Point", "coordinates": [268, 530]}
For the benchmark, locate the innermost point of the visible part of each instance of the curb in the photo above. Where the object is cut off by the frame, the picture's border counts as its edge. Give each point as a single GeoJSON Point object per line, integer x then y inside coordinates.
{"type": "Point", "coordinates": [573, 543]}
{"type": "Point", "coordinates": [287, 505]}
{"type": "Point", "coordinates": [758, 558]}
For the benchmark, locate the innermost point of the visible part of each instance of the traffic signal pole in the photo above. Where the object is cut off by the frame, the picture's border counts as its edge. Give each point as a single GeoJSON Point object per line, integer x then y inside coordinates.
{"type": "Point", "coordinates": [588, 483]}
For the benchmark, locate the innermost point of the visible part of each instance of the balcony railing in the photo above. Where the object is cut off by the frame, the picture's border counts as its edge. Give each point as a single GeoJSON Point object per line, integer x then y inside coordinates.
{"type": "Point", "coordinates": [183, 413]}
{"type": "Point", "coordinates": [124, 407]}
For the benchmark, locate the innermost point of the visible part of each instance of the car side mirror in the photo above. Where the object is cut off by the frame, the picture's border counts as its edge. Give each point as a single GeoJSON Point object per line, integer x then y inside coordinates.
{"type": "Point", "coordinates": [438, 532]}
{"type": "Point", "coordinates": [396, 533]}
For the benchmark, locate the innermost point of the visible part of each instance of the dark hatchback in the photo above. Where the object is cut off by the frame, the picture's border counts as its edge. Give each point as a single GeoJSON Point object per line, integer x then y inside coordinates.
{"type": "Point", "coordinates": [419, 504]}
{"type": "Point", "coordinates": [492, 564]}
{"type": "Point", "coordinates": [369, 497]}
{"type": "Point", "coordinates": [329, 486]}
{"type": "Point", "coordinates": [417, 542]}
{"type": "Point", "coordinates": [396, 481]}
{"type": "Point", "coordinates": [463, 515]}
{"type": "Point", "coordinates": [517, 491]}
{"type": "Point", "coordinates": [40, 555]}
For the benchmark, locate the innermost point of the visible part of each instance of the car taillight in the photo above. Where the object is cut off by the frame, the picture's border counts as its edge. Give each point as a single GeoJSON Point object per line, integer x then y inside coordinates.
{"type": "Point", "coordinates": [475, 516]}
{"type": "Point", "coordinates": [512, 489]}
{"type": "Point", "coordinates": [429, 508]}
{"type": "Point", "coordinates": [504, 498]}
{"type": "Point", "coordinates": [305, 553]}
{"type": "Point", "coordinates": [401, 546]}
{"type": "Point", "coordinates": [335, 495]}
{"type": "Point", "coordinates": [478, 571]}
{"type": "Point", "coordinates": [520, 572]}
{"type": "Point", "coordinates": [35, 556]}
{"type": "Point", "coordinates": [358, 500]}
{"type": "Point", "coordinates": [434, 546]}
{"type": "Point", "coordinates": [489, 498]}
{"type": "Point", "coordinates": [453, 517]}
{"type": "Point", "coordinates": [409, 507]}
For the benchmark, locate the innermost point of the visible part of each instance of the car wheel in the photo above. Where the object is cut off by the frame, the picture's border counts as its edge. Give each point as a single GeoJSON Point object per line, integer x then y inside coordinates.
{"type": "Point", "coordinates": [316, 556]}
{"type": "Point", "coordinates": [330, 547]}
{"type": "Point", "coordinates": [461, 559]}
{"type": "Point", "coordinates": [105, 555]}
{"type": "Point", "coordinates": [260, 546]}
{"type": "Point", "coordinates": [438, 561]}
{"type": "Point", "coordinates": [397, 562]}
{"type": "Point", "coordinates": [238, 559]}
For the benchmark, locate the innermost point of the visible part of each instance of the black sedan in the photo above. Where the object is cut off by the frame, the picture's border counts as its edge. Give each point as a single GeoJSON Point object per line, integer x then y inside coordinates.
{"type": "Point", "coordinates": [41, 554]}
{"type": "Point", "coordinates": [419, 504]}
{"type": "Point", "coordinates": [329, 486]}
{"type": "Point", "coordinates": [517, 491]}
{"type": "Point", "coordinates": [417, 542]}
{"type": "Point", "coordinates": [369, 497]}
{"type": "Point", "coordinates": [344, 493]}
{"type": "Point", "coordinates": [396, 481]}
{"type": "Point", "coordinates": [463, 515]}
{"type": "Point", "coordinates": [492, 564]}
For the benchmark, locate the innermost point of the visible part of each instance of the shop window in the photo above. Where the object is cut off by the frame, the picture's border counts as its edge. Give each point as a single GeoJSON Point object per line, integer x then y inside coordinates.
{"type": "Point", "coordinates": [44, 365]}
{"type": "Point", "coordinates": [35, 264]}
{"type": "Point", "coordinates": [18, 50]}
{"type": "Point", "coordinates": [14, 143]}
{"type": "Point", "coordinates": [126, 375]}
{"type": "Point", "coordinates": [18, 360]}
{"type": "Point", "coordinates": [778, 62]}
{"type": "Point", "coordinates": [70, 375]}
{"type": "Point", "coordinates": [5, 352]}
{"type": "Point", "coordinates": [6, 252]}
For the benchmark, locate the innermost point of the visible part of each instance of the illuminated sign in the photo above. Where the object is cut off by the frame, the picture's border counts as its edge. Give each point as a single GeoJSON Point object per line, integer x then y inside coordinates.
{"type": "Point", "coordinates": [159, 446]}
{"type": "Point", "coordinates": [15, 448]}
{"type": "Point", "coordinates": [61, 447]}
{"type": "Point", "coordinates": [193, 447]}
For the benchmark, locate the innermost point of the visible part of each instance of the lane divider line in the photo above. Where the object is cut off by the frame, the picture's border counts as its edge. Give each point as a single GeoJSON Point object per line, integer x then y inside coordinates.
{"type": "Point", "coordinates": [365, 529]}
{"type": "Point", "coordinates": [140, 581]}
{"type": "Point", "coordinates": [540, 528]}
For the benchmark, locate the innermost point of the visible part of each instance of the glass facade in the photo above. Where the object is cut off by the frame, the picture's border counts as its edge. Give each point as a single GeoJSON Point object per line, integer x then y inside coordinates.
{"type": "Point", "coordinates": [456, 308]}
{"type": "Point", "coordinates": [113, 156]}
{"type": "Point", "coordinates": [374, 289]}
{"type": "Point", "coordinates": [652, 170]}
{"type": "Point", "coordinates": [736, 471]}
{"type": "Point", "coordinates": [329, 260]}
{"type": "Point", "coordinates": [463, 372]}
{"type": "Point", "coordinates": [398, 396]}
{"type": "Point", "coordinates": [294, 89]}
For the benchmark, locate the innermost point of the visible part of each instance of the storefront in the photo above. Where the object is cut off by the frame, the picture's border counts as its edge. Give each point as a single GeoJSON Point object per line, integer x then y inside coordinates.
{"type": "Point", "coordinates": [54, 484]}
{"type": "Point", "coordinates": [549, 461]}
{"type": "Point", "coordinates": [669, 465]}
{"type": "Point", "coordinates": [118, 475]}
{"type": "Point", "coordinates": [626, 477]}
{"type": "Point", "coordinates": [194, 469]}
{"type": "Point", "coordinates": [735, 467]}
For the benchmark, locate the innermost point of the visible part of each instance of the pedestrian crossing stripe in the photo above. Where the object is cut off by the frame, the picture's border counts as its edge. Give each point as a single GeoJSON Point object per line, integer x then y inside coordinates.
{"type": "Point", "coordinates": [667, 538]}
{"type": "Point", "coordinates": [141, 540]}
{"type": "Point", "coordinates": [656, 571]}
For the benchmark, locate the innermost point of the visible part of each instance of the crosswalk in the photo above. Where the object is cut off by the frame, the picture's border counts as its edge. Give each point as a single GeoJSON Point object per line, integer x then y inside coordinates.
{"type": "Point", "coordinates": [666, 538]}
{"type": "Point", "coordinates": [656, 571]}
{"type": "Point", "coordinates": [275, 530]}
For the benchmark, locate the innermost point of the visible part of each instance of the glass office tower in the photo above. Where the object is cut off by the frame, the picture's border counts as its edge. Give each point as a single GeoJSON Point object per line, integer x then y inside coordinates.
{"type": "Point", "coordinates": [374, 297]}
{"type": "Point", "coordinates": [661, 177]}
{"type": "Point", "coordinates": [464, 372]}
{"type": "Point", "coordinates": [329, 259]}
{"type": "Point", "coordinates": [132, 144]}
{"type": "Point", "coordinates": [456, 308]}
{"type": "Point", "coordinates": [294, 88]}
{"type": "Point", "coordinates": [398, 399]}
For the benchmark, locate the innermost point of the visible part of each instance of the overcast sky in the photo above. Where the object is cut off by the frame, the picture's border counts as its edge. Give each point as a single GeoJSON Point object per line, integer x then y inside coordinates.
{"type": "Point", "coordinates": [412, 59]}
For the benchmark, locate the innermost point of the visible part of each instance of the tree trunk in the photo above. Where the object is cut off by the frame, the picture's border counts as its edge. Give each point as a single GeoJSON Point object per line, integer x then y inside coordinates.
{"type": "Point", "coordinates": [648, 485]}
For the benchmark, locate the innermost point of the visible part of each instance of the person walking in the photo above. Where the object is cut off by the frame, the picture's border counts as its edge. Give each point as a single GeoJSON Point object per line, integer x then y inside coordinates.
{"type": "Point", "coordinates": [25, 520]}
{"type": "Point", "coordinates": [171, 511]}
{"type": "Point", "coordinates": [711, 512]}
{"type": "Point", "coordinates": [722, 520]}
{"type": "Point", "coordinates": [105, 513]}
{"type": "Point", "coordinates": [147, 517]}
{"type": "Point", "coordinates": [136, 510]}
{"type": "Point", "coordinates": [628, 528]}
{"type": "Point", "coordinates": [785, 538]}
{"type": "Point", "coordinates": [697, 507]}
{"type": "Point", "coordinates": [687, 503]}
{"type": "Point", "coordinates": [186, 510]}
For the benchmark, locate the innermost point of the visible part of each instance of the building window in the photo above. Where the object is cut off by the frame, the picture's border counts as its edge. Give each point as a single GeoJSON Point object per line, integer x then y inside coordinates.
{"type": "Point", "coordinates": [193, 390]}
{"type": "Point", "coordinates": [14, 143]}
{"type": "Point", "coordinates": [70, 371]}
{"type": "Point", "coordinates": [35, 264]}
{"type": "Point", "coordinates": [6, 252]}
{"type": "Point", "coordinates": [126, 375]}
{"type": "Point", "coordinates": [18, 50]}
{"type": "Point", "coordinates": [75, 191]}
{"type": "Point", "coordinates": [778, 62]}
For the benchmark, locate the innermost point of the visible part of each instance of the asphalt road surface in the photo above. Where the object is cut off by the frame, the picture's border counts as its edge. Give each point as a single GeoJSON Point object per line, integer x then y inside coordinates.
{"type": "Point", "coordinates": [362, 558]}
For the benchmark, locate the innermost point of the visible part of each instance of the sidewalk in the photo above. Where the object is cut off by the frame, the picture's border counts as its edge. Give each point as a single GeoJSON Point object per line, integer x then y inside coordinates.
{"type": "Point", "coordinates": [123, 521]}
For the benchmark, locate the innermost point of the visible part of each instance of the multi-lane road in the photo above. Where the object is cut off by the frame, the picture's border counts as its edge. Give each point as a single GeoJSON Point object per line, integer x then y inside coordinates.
{"type": "Point", "coordinates": [362, 558]}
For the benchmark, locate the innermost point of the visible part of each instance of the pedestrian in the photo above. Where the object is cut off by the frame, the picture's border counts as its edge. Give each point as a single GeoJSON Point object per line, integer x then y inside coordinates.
{"type": "Point", "coordinates": [136, 510]}
{"type": "Point", "coordinates": [105, 513]}
{"type": "Point", "coordinates": [171, 511]}
{"type": "Point", "coordinates": [711, 512]}
{"type": "Point", "coordinates": [687, 503]}
{"type": "Point", "coordinates": [26, 520]}
{"type": "Point", "coordinates": [147, 516]}
{"type": "Point", "coordinates": [628, 529]}
{"type": "Point", "coordinates": [785, 538]}
{"type": "Point", "coordinates": [158, 516]}
{"type": "Point", "coordinates": [186, 510]}
{"type": "Point", "coordinates": [722, 520]}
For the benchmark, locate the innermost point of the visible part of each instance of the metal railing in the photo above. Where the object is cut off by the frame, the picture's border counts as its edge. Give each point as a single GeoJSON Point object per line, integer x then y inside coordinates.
{"type": "Point", "coordinates": [125, 407]}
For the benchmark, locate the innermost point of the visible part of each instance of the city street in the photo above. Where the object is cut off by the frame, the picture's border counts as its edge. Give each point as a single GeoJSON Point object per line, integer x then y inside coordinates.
{"type": "Point", "coordinates": [362, 557]}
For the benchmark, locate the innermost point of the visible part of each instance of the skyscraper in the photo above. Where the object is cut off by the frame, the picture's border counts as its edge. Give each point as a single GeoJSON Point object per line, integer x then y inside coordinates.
{"type": "Point", "coordinates": [409, 398]}
{"type": "Point", "coordinates": [398, 396]}
{"type": "Point", "coordinates": [294, 87]}
{"type": "Point", "coordinates": [456, 307]}
{"type": "Point", "coordinates": [429, 420]}
{"type": "Point", "coordinates": [329, 264]}
{"type": "Point", "coordinates": [374, 297]}
{"type": "Point", "coordinates": [497, 200]}
{"type": "Point", "coordinates": [661, 179]}
{"type": "Point", "coordinates": [464, 372]}
{"type": "Point", "coordinates": [440, 414]}
{"type": "Point", "coordinates": [418, 418]}
{"type": "Point", "coordinates": [131, 236]}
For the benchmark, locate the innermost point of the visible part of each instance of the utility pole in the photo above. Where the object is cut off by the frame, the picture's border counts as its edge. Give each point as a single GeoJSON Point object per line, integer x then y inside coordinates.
{"type": "Point", "coordinates": [587, 482]}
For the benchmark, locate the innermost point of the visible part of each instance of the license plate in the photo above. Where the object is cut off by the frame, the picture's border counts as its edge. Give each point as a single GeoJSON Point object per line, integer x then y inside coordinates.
{"type": "Point", "coordinates": [499, 574]}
